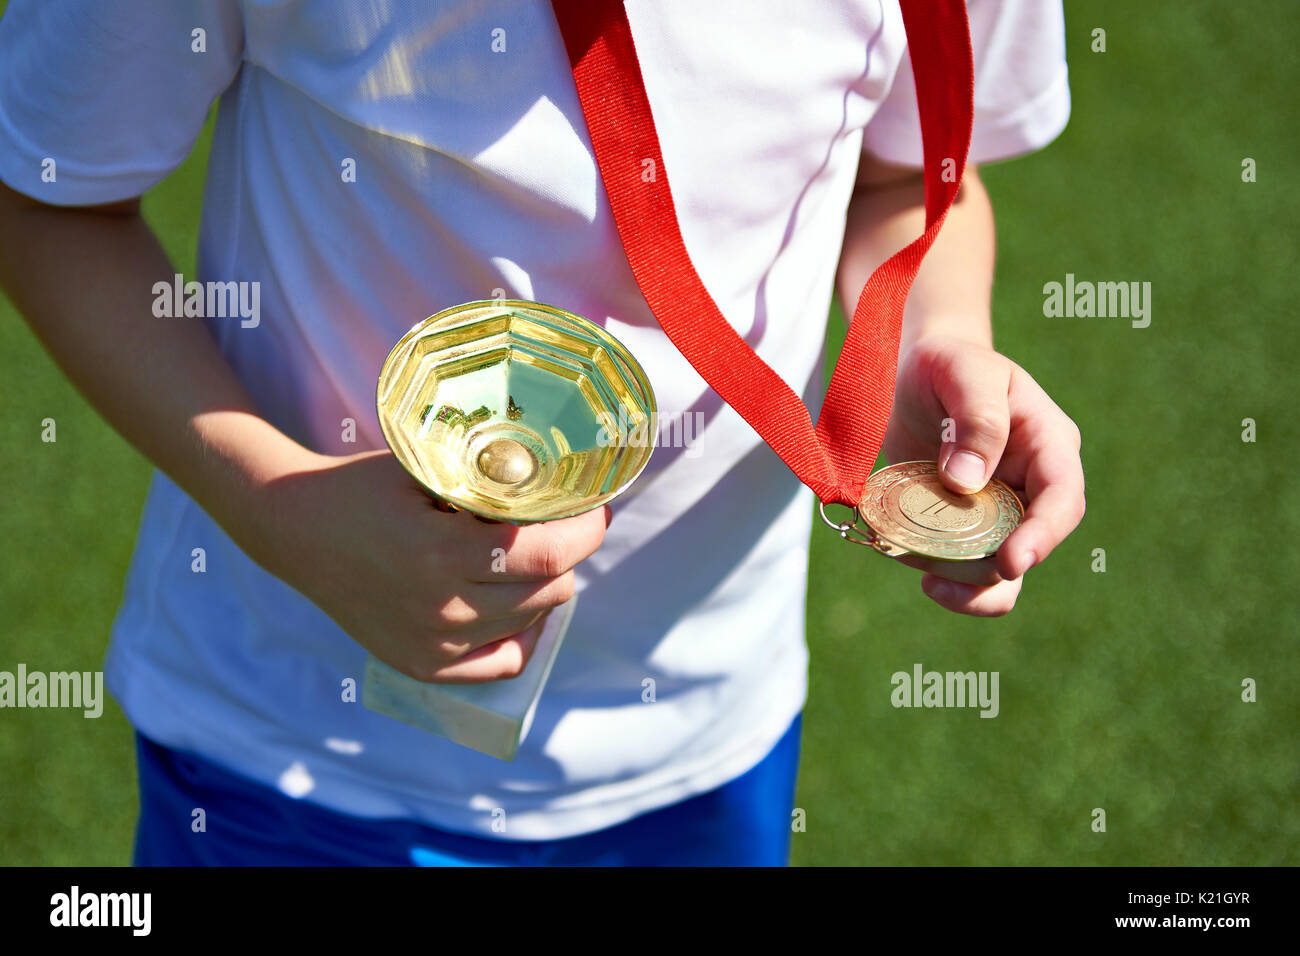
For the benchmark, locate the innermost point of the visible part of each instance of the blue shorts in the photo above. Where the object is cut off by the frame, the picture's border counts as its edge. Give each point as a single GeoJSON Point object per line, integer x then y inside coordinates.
{"type": "Point", "coordinates": [743, 823]}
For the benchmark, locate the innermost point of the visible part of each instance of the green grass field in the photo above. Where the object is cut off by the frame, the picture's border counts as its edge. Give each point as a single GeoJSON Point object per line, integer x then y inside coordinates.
{"type": "Point", "coordinates": [1119, 690]}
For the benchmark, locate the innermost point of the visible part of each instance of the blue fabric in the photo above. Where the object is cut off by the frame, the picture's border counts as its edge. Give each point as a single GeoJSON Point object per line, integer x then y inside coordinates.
{"type": "Point", "coordinates": [743, 823]}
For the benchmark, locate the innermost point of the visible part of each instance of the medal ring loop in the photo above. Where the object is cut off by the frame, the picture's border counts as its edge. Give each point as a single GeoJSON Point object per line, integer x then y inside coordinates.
{"type": "Point", "coordinates": [841, 529]}
{"type": "Point", "coordinates": [850, 531]}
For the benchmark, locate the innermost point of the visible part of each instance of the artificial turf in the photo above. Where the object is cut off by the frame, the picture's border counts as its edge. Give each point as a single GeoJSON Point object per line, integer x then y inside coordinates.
{"type": "Point", "coordinates": [1119, 690]}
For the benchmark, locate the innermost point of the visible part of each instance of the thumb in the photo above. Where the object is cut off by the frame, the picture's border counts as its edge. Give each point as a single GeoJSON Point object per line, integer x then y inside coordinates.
{"type": "Point", "coordinates": [973, 392]}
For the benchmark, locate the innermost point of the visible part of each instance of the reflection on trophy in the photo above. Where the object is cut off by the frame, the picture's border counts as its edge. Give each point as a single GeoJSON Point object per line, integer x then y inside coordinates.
{"type": "Point", "coordinates": [502, 408]}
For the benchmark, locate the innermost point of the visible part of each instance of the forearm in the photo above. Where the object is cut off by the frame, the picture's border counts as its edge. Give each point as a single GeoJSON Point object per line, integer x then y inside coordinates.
{"type": "Point", "coordinates": [83, 279]}
{"type": "Point", "coordinates": [952, 294]}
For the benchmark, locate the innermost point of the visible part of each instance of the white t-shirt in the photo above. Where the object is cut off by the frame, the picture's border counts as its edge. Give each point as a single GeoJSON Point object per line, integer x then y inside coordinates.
{"type": "Point", "coordinates": [473, 173]}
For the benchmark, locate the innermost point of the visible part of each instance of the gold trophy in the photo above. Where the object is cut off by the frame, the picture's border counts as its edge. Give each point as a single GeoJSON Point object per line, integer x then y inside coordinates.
{"type": "Point", "coordinates": [507, 409]}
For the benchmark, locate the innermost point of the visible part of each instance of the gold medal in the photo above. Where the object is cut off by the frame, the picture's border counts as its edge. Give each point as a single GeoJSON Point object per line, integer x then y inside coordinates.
{"type": "Point", "coordinates": [906, 509]}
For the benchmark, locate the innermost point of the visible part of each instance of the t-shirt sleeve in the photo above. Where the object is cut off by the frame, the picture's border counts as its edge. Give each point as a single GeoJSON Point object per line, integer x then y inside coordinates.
{"type": "Point", "coordinates": [1022, 91]}
{"type": "Point", "coordinates": [99, 101]}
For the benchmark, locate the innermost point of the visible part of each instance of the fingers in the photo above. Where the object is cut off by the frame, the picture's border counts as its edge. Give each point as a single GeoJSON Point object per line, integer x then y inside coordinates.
{"type": "Point", "coordinates": [501, 659]}
{"type": "Point", "coordinates": [480, 603]}
{"type": "Point", "coordinates": [461, 636]}
{"type": "Point", "coordinates": [540, 551]}
{"type": "Point", "coordinates": [1054, 487]}
{"type": "Point", "coordinates": [973, 386]}
{"type": "Point", "coordinates": [523, 597]}
{"type": "Point", "coordinates": [983, 572]}
{"type": "Point", "coordinates": [971, 599]}
{"type": "Point", "coordinates": [506, 580]}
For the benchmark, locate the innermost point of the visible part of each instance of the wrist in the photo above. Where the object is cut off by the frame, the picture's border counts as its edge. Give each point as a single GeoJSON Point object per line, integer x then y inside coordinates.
{"type": "Point", "coordinates": [244, 462]}
{"type": "Point", "coordinates": [971, 328]}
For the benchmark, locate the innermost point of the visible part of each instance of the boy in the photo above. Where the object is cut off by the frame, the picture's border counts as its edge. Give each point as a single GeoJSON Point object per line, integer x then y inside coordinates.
{"type": "Point", "coordinates": [375, 163]}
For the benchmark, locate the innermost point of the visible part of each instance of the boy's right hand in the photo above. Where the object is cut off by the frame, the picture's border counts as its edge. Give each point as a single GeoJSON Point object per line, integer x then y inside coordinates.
{"type": "Point", "coordinates": [441, 597]}
{"type": "Point", "coordinates": [354, 534]}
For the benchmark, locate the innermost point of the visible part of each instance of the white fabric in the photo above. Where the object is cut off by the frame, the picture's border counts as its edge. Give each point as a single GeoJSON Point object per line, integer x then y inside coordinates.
{"type": "Point", "coordinates": [474, 173]}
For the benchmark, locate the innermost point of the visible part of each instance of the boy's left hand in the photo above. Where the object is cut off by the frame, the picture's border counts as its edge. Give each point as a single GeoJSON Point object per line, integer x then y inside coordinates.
{"type": "Point", "coordinates": [1004, 425]}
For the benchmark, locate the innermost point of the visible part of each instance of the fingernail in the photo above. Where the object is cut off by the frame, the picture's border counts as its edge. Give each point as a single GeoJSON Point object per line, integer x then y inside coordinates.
{"type": "Point", "coordinates": [967, 469]}
{"type": "Point", "coordinates": [1028, 561]}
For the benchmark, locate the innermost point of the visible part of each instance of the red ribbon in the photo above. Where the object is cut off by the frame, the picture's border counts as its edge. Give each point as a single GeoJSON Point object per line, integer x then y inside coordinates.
{"type": "Point", "coordinates": [834, 458]}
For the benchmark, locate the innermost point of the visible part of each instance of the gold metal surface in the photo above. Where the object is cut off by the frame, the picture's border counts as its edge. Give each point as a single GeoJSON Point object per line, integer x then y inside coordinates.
{"type": "Point", "coordinates": [907, 509]}
{"type": "Point", "coordinates": [500, 408]}
{"type": "Point", "coordinates": [506, 461]}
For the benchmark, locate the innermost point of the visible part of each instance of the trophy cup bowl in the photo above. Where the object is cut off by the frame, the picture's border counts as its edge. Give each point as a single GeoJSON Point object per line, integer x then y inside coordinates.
{"type": "Point", "coordinates": [515, 410]}
{"type": "Point", "coordinates": [518, 412]}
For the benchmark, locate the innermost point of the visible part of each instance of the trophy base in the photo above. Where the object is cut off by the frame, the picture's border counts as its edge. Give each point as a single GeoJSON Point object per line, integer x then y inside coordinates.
{"type": "Point", "coordinates": [491, 718]}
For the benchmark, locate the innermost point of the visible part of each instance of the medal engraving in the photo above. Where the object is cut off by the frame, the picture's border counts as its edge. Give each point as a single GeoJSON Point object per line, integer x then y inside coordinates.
{"type": "Point", "coordinates": [908, 509]}
{"type": "Point", "coordinates": [939, 509]}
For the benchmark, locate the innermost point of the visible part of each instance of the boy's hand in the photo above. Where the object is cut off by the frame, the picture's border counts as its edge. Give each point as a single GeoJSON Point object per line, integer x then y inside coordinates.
{"type": "Point", "coordinates": [1005, 425]}
{"type": "Point", "coordinates": [444, 598]}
